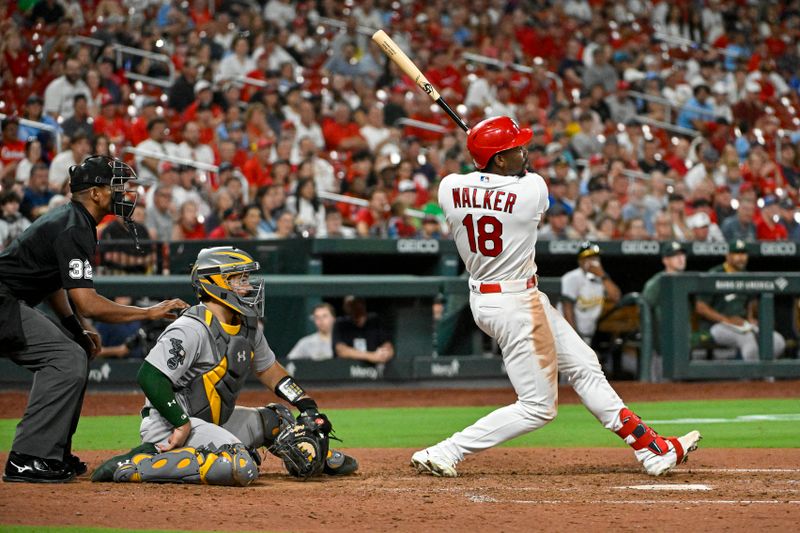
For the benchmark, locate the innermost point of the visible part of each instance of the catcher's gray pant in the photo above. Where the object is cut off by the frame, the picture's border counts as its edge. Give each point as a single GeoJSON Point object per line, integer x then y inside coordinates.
{"type": "Point", "coordinates": [60, 370]}
{"type": "Point", "coordinates": [746, 342]}
{"type": "Point", "coordinates": [245, 425]}
{"type": "Point", "coordinates": [537, 342]}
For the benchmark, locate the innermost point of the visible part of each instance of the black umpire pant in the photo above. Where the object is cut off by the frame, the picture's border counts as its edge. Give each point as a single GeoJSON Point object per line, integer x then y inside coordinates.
{"type": "Point", "coordinates": [60, 371]}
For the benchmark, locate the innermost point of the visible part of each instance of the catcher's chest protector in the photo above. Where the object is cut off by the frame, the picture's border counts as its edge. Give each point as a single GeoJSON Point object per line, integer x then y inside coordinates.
{"type": "Point", "coordinates": [212, 395]}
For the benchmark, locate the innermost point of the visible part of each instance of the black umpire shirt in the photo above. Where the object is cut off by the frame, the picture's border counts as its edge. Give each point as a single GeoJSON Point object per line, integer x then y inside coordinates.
{"type": "Point", "coordinates": [56, 251]}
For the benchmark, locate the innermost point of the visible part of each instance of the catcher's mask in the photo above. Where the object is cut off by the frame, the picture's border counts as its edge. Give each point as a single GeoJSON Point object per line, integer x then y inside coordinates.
{"type": "Point", "coordinates": [101, 170]}
{"type": "Point", "coordinates": [223, 273]}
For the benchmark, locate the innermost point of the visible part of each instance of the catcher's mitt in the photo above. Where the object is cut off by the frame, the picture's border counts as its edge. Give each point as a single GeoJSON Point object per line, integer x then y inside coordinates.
{"type": "Point", "coordinates": [303, 447]}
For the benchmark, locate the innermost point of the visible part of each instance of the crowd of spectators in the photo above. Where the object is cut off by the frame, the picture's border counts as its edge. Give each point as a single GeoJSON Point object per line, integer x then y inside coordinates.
{"type": "Point", "coordinates": [652, 119]}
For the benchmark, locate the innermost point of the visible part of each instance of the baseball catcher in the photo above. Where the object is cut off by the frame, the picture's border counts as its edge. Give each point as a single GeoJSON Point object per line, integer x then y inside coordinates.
{"type": "Point", "coordinates": [192, 430]}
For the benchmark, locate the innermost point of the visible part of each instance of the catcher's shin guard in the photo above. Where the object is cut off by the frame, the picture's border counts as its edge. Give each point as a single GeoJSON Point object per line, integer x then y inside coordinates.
{"type": "Point", "coordinates": [230, 465]}
{"type": "Point", "coordinates": [105, 472]}
{"type": "Point", "coordinates": [274, 417]}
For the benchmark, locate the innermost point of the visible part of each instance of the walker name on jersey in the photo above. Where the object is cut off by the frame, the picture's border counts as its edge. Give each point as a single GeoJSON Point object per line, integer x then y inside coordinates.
{"type": "Point", "coordinates": [484, 199]}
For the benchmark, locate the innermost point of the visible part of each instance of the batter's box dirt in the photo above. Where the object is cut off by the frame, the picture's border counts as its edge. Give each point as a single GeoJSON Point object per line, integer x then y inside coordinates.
{"type": "Point", "coordinates": [508, 489]}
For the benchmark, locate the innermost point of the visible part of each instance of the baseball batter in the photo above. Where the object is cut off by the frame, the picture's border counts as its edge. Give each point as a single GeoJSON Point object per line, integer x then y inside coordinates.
{"type": "Point", "coordinates": [192, 430]}
{"type": "Point", "coordinates": [494, 214]}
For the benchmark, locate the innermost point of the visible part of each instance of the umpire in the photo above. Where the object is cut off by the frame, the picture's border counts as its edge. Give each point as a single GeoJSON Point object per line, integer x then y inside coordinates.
{"type": "Point", "coordinates": [53, 261]}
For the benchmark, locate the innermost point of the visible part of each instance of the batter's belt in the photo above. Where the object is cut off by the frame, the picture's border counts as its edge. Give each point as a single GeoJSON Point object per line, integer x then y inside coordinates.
{"type": "Point", "coordinates": [513, 285]}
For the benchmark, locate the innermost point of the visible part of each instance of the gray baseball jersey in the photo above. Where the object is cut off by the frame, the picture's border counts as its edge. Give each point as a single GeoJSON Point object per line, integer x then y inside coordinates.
{"type": "Point", "coordinates": [184, 351]}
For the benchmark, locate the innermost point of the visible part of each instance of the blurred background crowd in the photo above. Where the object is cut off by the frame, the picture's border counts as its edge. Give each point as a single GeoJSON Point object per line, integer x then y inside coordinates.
{"type": "Point", "coordinates": [277, 119]}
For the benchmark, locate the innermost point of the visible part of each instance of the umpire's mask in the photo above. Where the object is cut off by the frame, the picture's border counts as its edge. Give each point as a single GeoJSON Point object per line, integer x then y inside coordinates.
{"type": "Point", "coordinates": [223, 273]}
{"type": "Point", "coordinates": [99, 170]}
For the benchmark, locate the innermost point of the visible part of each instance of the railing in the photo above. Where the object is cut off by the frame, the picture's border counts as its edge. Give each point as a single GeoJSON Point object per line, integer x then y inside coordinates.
{"type": "Point", "coordinates": [680, 130]}
{"type": "Point", "coordinates": [632, 174]}
{"type": "Point", "coordinates": [469, 56]}
{"type": "Point", "coordinates": [250, 81]}
{"type": "Point", "coordinates": [121, 50]}
{"type": "Point", "coordinates": [339, 24]}
{"type": "Point", "coordinates": [688, 43]}
{"type": "Point", "coordinates": [421, 125]}
{"type": "Point", "coordinates": [42, 126]}
{"type": "Point", "coordinates": [325, 195]}
{"type": "Point", "coordinates": [172, 159]}
{"type": "Point", "coordinates": [670, 105]}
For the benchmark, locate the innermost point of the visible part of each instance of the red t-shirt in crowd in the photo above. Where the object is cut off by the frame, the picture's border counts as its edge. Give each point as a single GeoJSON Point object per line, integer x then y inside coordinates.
{"type": "Point", "coordinates": [335, 133]}
{"type": "Point", "coordinates": [113, 128]}
{"type": "Point", "coordinates": [12, 151]}
{"type": "Point", "coordinates": [257, 175]}
{"type": "Point", "coordinates": [137, 132]}
{"type": "Point", "coordinates": [770, 232]}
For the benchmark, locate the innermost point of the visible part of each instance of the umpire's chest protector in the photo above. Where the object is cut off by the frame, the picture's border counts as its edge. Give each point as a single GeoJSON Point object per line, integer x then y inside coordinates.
{"type": "Point", "coordinates": [212, 395]}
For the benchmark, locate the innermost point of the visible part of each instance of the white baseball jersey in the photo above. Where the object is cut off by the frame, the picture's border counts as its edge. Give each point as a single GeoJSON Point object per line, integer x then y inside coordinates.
{"type": "Point", "coordinates": [494, 222]}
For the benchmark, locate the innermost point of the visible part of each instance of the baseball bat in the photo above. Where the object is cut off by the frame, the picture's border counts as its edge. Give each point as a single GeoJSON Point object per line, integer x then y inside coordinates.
{"type": "Point", "coordinates": [394, 53]}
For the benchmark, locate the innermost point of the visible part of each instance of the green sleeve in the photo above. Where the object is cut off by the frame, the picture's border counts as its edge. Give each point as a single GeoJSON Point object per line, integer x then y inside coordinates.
{"type": "Point", "coordinates": [158, 389]}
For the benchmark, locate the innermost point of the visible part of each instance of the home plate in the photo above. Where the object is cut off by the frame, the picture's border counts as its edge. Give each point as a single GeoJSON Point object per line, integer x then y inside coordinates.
{"type": "Point", "coordinates": [668, 486]}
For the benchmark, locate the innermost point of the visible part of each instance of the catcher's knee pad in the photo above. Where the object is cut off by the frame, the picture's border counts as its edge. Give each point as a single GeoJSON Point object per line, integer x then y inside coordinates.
{"type": "Point", "coordinates": [230, 465]}
{"type": "Point", "coordinates": [274, 418]}
{"type": "Point", "coordinates": [174, 466]}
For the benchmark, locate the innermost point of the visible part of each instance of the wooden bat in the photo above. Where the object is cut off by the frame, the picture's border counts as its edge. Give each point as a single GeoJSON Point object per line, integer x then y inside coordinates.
{"type": "Point", "coordinates": [394, 53]}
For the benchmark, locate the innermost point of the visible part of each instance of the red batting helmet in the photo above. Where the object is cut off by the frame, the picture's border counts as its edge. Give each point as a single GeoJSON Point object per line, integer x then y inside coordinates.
{"type": "Point", "coordinates": [494, 135]}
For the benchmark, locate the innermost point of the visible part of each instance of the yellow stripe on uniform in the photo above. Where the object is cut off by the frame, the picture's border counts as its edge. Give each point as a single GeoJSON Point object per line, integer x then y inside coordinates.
{"type": "Point", "coordinates": [210, 380]}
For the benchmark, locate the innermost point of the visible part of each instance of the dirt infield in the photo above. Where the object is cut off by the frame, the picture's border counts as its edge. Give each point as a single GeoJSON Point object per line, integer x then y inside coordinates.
{"type": "Point", "coordinates": [501, 490]}
{"type": "Point", "coordinates": [505, 489]}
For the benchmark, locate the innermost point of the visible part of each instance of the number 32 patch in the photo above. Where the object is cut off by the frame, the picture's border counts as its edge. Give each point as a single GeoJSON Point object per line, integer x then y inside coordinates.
{"type": "Point", "coordinates": [80, 269]}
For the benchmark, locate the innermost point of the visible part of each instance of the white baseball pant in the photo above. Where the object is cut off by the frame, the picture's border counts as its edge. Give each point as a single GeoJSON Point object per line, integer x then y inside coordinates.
{"type": "Point", "coordinates": [536, 343]}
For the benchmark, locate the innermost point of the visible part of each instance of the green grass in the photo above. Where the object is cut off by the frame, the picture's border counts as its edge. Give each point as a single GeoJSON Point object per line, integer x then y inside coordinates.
{"type": "Point", "coordinates": [574, 426]}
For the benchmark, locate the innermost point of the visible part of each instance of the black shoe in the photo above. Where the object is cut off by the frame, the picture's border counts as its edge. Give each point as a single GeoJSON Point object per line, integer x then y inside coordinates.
{"type": "Point", "coordinates": [29, 469]}
{"type": "Point", "coordinates": [340, 464]}
{"type": "Point", "coordinates": [78, 466]}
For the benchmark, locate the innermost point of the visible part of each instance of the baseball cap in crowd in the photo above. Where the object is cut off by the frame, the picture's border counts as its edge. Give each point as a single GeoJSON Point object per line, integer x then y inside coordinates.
{"type": "Point", "coordinates": [430, 219]}
{"type": "Point", "coordinates": [752, 86]}
{"type": "Point", "coordinates": [406, 186]}
{"type": "Point", "coordinates": [787, 203]}
{"type": "Point", "coordinates": [264, 142]}
{"type": "Point", "coordinates": [235, 126]}
{"type": "Point", "coordinates": [597, 184]}
{"type": "Point", "coordinates": [201, 85]}
{"type": "Point", "coordinates": [561, 160]}
{"type": "Point", "coordinates": [588, 249]}
{"type": "Point", "coordinates": [770, 200]}
{"type": "Point", "coordinates": [737, 246]}
{"type": "Point", "coordinates": [11, 119]}
{"type": "Point", "coordinates": [711, 154]}
{"type": "Point", "coordinates": [698, 220]}
{"type": "Point", "coordinates": [556, 209]}
{"type": "Point", "coordinates": [225, 166]}
{"type": "Point", "coordinates": [230, 214]}
{"type": "Point", "coordinates": [34, 99]}
{"type": "Point", "coordinates": [672, 248]}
